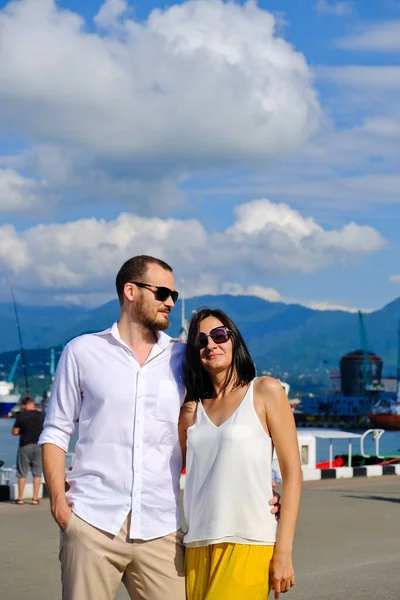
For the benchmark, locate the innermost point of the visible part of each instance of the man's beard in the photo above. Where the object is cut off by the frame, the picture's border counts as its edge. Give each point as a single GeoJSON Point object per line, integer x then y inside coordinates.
{"type": "Point", "coordinates": [148, 319]}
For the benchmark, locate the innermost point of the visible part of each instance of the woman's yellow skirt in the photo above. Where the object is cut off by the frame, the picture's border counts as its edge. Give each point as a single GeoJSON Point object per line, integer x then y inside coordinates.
{"type": "Point", "coordinates": [228, 572]}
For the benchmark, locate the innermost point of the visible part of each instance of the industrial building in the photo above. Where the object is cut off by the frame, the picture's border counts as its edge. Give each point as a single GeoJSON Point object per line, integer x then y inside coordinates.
{"type": "Point", "coordinates": [353, 390]}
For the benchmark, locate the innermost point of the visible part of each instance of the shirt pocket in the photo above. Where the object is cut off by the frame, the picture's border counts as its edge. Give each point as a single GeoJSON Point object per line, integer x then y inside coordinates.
{"type": "Point", "coordinates": [168, 402]}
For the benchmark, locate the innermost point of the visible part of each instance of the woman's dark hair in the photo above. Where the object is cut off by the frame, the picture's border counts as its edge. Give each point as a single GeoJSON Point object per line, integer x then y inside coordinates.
{"type": "Point", "coordinates": [197, 380]}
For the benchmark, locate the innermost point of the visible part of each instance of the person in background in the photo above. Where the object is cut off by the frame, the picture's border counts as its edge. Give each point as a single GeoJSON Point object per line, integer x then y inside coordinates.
{"type": "Point", "coordinates": [28, 426]}
{"type": "Point", "coordinates": [229, 427]}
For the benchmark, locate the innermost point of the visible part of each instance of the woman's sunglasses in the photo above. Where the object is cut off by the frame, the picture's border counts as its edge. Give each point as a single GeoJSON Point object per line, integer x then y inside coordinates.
{"type": "Point", "coordinates": [219, 335]}
{"type": "Point", "coordinates": [161, 293]}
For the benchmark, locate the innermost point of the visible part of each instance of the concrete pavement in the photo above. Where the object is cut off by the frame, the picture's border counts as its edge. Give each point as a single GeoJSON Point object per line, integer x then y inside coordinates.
{"type": "Point", "coordinates": [347, 545]}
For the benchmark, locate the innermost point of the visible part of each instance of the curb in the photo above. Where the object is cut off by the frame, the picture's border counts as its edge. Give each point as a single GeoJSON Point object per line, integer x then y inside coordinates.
{"type": "Point", "coordinates": [350, 472]}
{"type": "Point", "coordinates": [310, 474]}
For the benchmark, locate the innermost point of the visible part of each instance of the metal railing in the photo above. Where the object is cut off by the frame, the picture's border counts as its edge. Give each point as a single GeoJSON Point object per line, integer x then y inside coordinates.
{"type": "Point", "coordinates": [376, 436]}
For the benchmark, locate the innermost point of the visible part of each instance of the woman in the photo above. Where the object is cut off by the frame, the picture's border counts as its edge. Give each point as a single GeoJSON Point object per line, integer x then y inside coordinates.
{"type": "Point", "coordinates": [229, 427]}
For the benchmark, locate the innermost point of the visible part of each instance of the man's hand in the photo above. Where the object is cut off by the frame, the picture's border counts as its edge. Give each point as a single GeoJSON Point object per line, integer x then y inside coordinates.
{"type": "Point", "coordinates": [275, 503]}
{"type": "Point", "coordinates": [61, 513]}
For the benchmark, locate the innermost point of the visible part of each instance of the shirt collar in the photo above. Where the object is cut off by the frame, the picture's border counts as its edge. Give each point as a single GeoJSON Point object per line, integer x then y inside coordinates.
{"type": "Point", "coordinates": [163, 339]}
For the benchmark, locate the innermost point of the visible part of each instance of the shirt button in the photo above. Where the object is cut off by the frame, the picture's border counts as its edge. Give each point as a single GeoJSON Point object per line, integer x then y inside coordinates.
{"type": "Point", "coordinates": [135, 494]}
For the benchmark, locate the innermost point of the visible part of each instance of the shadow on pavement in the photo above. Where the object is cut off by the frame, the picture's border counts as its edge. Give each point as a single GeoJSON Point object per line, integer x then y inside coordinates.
{"type": "Point", "coordinates": [379, 498]}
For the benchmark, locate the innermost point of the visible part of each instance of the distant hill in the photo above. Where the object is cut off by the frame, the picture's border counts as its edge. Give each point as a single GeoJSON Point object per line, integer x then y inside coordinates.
{"type": "Point", "coordinates": [37, 323]}
{"type": "Point", "coordinates": [281, 337]}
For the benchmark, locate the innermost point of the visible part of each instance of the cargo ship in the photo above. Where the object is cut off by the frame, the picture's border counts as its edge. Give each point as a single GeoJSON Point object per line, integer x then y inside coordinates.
{"type": "Point", "coordinates": [349, 399]}
{"type": "Point", "coordinates": [386, 415]}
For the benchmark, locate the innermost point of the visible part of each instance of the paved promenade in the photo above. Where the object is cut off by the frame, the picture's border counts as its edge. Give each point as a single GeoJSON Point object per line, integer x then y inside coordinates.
{"type": "Point", "coordinates": [347, 545]}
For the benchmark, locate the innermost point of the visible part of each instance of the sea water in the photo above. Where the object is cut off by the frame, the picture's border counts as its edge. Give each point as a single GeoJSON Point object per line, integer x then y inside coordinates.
{"type": "Point", "coordinates": [389, 442]}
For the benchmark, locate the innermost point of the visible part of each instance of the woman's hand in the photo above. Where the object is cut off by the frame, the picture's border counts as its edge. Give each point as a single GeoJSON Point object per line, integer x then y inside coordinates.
{"type": "Point", "coordinates": [281, 573]}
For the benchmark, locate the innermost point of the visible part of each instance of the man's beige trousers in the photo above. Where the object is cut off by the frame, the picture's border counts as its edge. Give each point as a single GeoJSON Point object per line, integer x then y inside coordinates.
{"type": "Point", "coordinates": [94, 562]}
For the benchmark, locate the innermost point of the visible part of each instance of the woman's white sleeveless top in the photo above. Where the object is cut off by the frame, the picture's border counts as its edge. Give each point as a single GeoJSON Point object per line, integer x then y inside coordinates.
{"type": "Point", "coordinates": [229, 479]}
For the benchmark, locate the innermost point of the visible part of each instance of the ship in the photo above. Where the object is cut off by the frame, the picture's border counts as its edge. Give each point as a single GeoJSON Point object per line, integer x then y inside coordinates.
{"type": "Point", "coordinates": [358, 394]}
{"type": "Point", "coordinates": [386, 415]}
{"type": "Point", "coordinates": [8, 399]}
{"type": "Point", "coordinates": [8, 396]}
{"type": "Point", "coordinates": [351, 394]}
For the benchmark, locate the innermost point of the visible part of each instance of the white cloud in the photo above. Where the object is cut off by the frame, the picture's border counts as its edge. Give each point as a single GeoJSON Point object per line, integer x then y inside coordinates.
{"type": "Point", "coordinates": [327, 305]}
{"type": "Point", "coordinates": [13, 251]}
{"type": "Point", "coordinates": [388, 127]}
{"type": "Point", "coordinates": [341, 170]}
{"type": "Point", "coordinates": [204, 84]}
{"type": "Point", "coordinates": [394, 279]}
{"type": "Point", "coordinates": [338, 9]}
{"type": "Point", "coordinates": [375, 37]}
{"type": "Point", "coordinates": [81, 178]}
{"type": "Point", "coordinates": [255, 217]}
{"type": "Point", "coordinates": [235, 289]}
{"type": "Point", "coordinates": [86, 300]}
{"type": "Point", "coordinates": [281, 239]}
{"type": "Point", "coordinates": [354, 162]}
{"type": "Point", "coordinates": [110, 13]}
{"type": "Point", "coordinates": [272, 295]}
{"type": "Point", "coordinates": [20, 194]}
{"type": "Point", "coordinates": [83, 256]}
{"type": "Point", "coordinates": [341, 192]}
{"type": "Point", "coordinates": [386, 78]}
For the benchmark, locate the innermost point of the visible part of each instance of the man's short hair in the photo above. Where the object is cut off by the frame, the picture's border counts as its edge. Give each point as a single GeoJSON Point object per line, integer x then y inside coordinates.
{"type": "Point", "coordinates": [135, 269]}
{"type": "Point", "coordinates": [26, 400]}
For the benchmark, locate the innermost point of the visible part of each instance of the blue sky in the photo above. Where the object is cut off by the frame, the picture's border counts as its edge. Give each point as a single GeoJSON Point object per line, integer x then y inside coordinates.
{"type": "Point", "coordinates": [254, 146]}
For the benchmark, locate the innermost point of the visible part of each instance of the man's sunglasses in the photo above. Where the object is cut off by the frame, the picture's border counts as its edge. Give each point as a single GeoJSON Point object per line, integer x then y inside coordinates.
{"type": "Point", "coordinates": [161, 293]}
{"type": "Point", "coordinates": [219, 335]}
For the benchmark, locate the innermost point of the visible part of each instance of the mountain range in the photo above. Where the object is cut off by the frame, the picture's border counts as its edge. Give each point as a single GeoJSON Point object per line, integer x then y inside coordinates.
{"type": "Point", "coordinates": [281, 337]}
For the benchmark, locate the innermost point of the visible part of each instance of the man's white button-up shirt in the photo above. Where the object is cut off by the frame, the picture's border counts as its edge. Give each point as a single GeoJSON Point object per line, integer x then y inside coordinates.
{"type": "Point", "coordinates": [127, 457]}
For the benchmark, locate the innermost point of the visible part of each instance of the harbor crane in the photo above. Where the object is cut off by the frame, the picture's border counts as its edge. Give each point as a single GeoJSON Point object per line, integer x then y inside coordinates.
{"type": "Point", "coordinates": [366, 365]}
{"type": "Point", "coordinates": [371, 385]}
{"type": "Point", "coordinates": [52, 364]}
{"type": "Point", "coordinates": [10, 378]}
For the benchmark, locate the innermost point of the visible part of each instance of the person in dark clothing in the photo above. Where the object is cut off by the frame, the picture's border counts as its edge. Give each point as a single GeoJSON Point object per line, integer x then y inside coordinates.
{"type": "Point", "coordinates": [28, 425]}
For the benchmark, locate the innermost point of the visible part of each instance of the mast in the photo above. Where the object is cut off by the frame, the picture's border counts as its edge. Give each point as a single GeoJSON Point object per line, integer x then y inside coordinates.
{"type": "Point", "coordinates": [20, 341]}
{"type": "Point", "coordinates": [183, 333]}
{"type": "Point", "coordinates": [183, 321]}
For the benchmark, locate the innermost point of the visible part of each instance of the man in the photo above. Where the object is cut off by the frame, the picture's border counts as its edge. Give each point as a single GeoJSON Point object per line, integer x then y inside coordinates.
{"type": "Point", "coordinates": [28, 425]}
{"type": "Point", "coordinates": [120, 518]}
